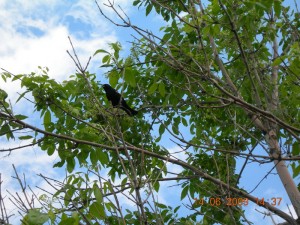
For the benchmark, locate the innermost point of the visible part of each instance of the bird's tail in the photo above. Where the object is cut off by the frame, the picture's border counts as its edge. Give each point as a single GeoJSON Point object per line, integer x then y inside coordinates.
{"type": "Point", "coordinates": [133, 112]}
{"type": "Point", "coordinates": [129, 111]}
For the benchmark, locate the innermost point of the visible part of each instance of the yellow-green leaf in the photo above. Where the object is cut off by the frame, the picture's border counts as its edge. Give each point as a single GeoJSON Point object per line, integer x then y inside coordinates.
{"type": "Point", "coordinates": [161, 89]}
{"type": "Point", "coordinates": [97, 210]}
{"type": "Point", "coordinates": [47, 118]}
{"type": "Point", "coordinates": [152, 88]}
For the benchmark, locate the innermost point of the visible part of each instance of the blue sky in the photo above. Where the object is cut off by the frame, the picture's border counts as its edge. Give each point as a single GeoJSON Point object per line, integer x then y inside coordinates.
{"type": "Point", "coordinates": [35, 33]}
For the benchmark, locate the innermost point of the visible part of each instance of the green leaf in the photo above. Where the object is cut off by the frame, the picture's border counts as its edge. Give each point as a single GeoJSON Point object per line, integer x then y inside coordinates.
{"type": "Point", "coordinates": [116, 46]}
{"type": "Point", "coordinates": [156, 186]}
{"type": "Point", "coordinates": [296, 170]}
{"type": "Point", "coordinates": [59, 164]}
{"type": "Point", "coordinates": [102, 156]}
{"type": "Point", "coordinates": [176, 209]}
{"type": "Point", "coordinates": [52, 216]}
{"type": "Point", "coordinates": [161, 129]}
{"type": "Point", "coordinates": [148, 9]}
{"type": "Point", "coordinates": [98, 194]}
{"type": "Point", "coordinates": [3, 77]}
{"type": "Point", "coordinates": [124, 182]}
{"type": "Point", "coordinates": [17, 77]}
{"type": "Point", "coordinates": [100, 51]}
{"type": "Point", "coordinates": [161, 89]}
{"type": "Point", "coordinates": [113, 78]}
{"type": "Point", "coordinates": [135, 2]}
{"type": "Point", "coordinates": [175, 129]}
{"type": "Point", "coordinates": [184, 122]}
{"type": "Point", "coordinates": [296, 148]}
{"type": "Point", "coordinates": [93, 157]}
{"type": "Point", "coordinates": [3, 95]}
{"type": "Point", "coordinates": [47, 118]}
{"type": "Point", "coordinates": [162, 206]}
{"type": "Point", "coordinates": [67, 221]}
{"type": "Point", "coordinates": [277, 8]}
{"type": "Point", "coordinates": [129, 77]}
{"type": "Point", "coordinates": [184, 192]}
{"type": "Point", "coordinates": [107, 65]}
{"type": "Point", "coordinates": [167, 36]}
{"type": "Point", "coordinates": [35, 217]}
{"type": "Point", "coordinates": [50, 150]}
{"type": "Point", "coordinates": [106, 59]}
{"type": "Point", "coordinates": [21, 96]}
{"type": "Point", "coordinates": [152, 88]}
{"type": "Point", "coordinates": [97, 210]}
{"type": "Point", "coordinates": [278, 60]}
{"type": "Point", "coordinates": [25, 137]}
{"type": "Point", "coordinates": [70, 164]}
{"type": "Point", "coordinates": [76, 217]}
{"type": "Point", "coordinates": [21, 117]}
{"type": "Point", "coordinates": [4, 129]}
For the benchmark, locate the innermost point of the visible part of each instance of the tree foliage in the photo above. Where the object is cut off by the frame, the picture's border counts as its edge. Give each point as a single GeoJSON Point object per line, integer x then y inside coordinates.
{"type": "Point", "coordinates": [221, 80]}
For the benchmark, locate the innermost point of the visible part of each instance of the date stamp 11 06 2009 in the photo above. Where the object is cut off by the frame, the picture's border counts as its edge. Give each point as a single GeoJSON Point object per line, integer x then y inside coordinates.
{"type": "Point", "coordinates": [275, 201]}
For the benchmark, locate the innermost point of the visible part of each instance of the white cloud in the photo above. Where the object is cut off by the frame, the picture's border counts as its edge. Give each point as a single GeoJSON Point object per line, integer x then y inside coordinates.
{"type": "Point", "coordinates": [28, 162]}
{"type": "Point", "coordinates": [31, 159]}
{"type": "Point", "coordinates": [29, 53]}
{"type": "Point", "coordinates": [22, 50]}
{"type": "Point", "coordinates": [178, 153]}
{"type": "Point", "coordinates": [23, 54]}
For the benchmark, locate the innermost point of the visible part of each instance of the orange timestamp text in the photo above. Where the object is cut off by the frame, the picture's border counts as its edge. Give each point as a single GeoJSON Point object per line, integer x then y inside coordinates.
{"type": "Point", "coordinates": [222, 201]}
{"type": "Point", "coordinates": [272, 201]}
{"type": "Point", "coordinates": [236, 201]}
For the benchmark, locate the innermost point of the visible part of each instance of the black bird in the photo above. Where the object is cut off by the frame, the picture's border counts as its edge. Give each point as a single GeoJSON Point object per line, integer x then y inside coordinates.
{"type": "Point", "coordinates": [115, 98]}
